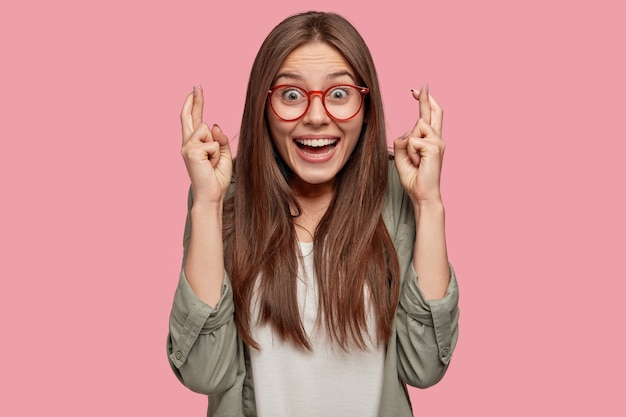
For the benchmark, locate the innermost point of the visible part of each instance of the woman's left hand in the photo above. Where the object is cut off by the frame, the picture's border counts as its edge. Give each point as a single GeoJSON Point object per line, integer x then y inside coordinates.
{"type": "Point", "coordinates": [419, 153]}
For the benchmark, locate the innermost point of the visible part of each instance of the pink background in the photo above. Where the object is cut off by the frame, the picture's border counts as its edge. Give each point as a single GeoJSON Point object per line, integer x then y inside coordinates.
{"type": "Point", "coordinates": [94, 188]}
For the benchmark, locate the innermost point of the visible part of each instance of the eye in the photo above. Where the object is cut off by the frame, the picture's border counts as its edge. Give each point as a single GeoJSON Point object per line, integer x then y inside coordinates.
{"type": "Point", "coordinates": [339, 93]}
{"type": "Point", "coordinates": [291, 94]}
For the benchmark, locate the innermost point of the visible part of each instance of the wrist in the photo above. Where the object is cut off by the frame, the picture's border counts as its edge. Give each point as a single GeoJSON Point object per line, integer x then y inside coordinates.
{"type": "Point", "coordinates": [428, 209]}
{"type": "Point", "coordinates": [202, 208]}
{"type": "Point", "coordinates": [204, 198]}
{"type": "Point", "coordinates": [434, 203]}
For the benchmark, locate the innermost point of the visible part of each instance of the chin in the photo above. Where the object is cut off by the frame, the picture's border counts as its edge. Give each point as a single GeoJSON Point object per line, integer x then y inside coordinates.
{"type": "Point", "coordinates": [325, 176]}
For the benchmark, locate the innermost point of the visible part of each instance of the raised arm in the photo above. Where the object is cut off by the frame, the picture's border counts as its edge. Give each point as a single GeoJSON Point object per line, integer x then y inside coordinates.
{"type": "Point", "coordinates": [208, 159]}
{"type": "Point", "coordinates": [418, 158]}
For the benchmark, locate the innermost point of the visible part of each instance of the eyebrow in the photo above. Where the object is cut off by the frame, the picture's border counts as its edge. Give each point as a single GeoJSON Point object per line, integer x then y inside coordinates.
{"type": "Point", "coordinates": [298, 77]}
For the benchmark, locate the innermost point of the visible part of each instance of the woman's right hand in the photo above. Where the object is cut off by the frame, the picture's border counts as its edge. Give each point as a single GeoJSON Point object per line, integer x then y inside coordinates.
{"type": "Point", "coordinates": [206, 152]}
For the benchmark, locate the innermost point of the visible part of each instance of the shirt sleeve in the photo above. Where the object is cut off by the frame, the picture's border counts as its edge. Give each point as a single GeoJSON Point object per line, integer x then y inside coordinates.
{"type": "Point", "coordinates": [203, 347]}
{"type": "Point", "coordinates": [427, 332]}
{"type": "Point", "coordinates": [202, 344]}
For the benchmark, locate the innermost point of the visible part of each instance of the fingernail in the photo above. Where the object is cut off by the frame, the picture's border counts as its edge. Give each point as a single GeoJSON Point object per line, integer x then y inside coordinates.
{"type": "Point", "coordinates": [408, 132]}
{"type": "Point", "coordinates": [217, 126]}
{"type": "Point", "coordinates": [426, 87]}
{"type": "Point", "coordinates": [196, 88]}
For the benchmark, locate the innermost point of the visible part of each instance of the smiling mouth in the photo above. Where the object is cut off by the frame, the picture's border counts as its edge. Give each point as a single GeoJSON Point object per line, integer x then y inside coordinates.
{"type": "Point", "coordinates": [316, 147]}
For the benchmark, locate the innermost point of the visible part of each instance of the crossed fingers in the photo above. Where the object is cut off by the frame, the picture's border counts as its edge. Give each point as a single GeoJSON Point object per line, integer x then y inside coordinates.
{"type": "Point", "coordinates": [430, 117]}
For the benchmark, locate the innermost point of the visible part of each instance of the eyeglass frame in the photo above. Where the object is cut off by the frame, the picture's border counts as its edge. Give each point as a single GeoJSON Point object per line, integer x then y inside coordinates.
{"type": "Point", "coordinates": [362, 90]}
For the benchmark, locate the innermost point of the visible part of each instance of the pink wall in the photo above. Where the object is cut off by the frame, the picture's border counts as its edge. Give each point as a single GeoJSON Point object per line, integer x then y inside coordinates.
{"type": "Point", "coordinates": [94, 191]}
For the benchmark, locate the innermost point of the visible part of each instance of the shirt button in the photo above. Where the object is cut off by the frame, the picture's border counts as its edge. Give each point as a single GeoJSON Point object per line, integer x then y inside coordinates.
{"type": "Point", "coordinates": [445, 352]}
{"type": "Point", "coordinates": [178, 354]}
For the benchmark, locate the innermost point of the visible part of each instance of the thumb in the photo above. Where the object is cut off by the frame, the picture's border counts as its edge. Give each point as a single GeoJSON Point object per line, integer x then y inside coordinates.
{"type": "Point", "coordinates": [220, 138]}
{"type": "Point", "coordinates": [400, 145]}
{"type": "Point", "coordinates": [405, 149]}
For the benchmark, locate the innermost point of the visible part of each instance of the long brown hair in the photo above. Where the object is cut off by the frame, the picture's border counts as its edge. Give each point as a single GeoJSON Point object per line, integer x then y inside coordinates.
{"type": "Point", "coordinates": [355, 261]}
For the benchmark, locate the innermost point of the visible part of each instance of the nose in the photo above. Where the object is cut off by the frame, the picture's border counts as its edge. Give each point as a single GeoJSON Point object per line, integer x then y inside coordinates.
{"type": "Point", "coordinates": [316, 113]}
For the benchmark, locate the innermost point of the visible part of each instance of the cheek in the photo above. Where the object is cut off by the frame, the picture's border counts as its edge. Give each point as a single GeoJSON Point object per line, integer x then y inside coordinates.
{"type": "Point", "coordinates": [356, 128]}
{"type": "Point", "coordinates": [279, 135]}
{"type": "Point", "coordinates": [275, 125]}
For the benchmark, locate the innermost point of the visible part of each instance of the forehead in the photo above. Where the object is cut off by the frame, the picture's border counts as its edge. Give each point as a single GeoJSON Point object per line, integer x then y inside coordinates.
{"type": "Point", "coordinates": [315, 61]}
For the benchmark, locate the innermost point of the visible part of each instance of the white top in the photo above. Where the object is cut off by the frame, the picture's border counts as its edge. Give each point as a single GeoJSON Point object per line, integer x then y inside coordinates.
{"type": "Point", "coordinates": [290, 382]}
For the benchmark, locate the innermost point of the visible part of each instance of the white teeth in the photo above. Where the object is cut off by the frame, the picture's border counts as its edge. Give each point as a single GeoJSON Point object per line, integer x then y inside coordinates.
{"type": "Point", "coordinates": [316, 143]}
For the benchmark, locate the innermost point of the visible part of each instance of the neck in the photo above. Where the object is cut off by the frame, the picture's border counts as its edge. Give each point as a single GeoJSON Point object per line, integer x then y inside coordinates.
{"type": "Point", "coordinates": [314, 200]}
{"type": "Point", "coordinates": [304, 190]}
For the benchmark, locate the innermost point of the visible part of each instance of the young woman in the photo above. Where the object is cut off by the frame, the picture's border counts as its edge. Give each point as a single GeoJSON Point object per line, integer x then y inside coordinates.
{"type": "Point", "coordinates": [315, 278]}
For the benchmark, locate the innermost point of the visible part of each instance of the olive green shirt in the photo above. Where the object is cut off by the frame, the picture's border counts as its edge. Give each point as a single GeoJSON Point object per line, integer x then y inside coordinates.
{"type": "Point", "coordinates": [208, 356]}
